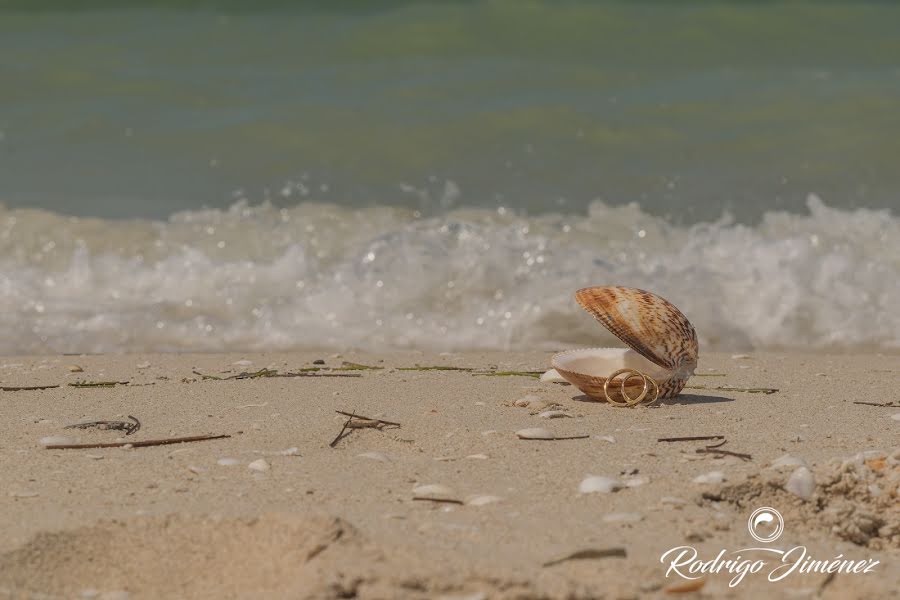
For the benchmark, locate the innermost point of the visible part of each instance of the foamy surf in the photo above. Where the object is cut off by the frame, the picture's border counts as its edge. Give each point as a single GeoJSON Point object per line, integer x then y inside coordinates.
{"type": "Point", "coordinates": [320, 276]}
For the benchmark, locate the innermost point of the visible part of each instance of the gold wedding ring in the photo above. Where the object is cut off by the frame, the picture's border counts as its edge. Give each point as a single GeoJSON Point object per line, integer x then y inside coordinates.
{"type": "Point", "coordinates": [629, 374]}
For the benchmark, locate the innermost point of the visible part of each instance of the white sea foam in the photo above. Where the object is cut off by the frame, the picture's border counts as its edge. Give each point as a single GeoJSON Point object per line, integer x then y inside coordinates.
{"type": "Point", "coordinates": [321, 276]}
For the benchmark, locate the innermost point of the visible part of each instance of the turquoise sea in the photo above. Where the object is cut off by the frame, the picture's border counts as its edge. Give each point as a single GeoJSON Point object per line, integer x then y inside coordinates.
{"type": "Point", "coordinates": [443, 175]}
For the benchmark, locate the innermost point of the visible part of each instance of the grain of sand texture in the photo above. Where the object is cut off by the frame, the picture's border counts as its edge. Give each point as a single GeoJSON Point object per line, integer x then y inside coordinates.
{"type": "Point", "coordinates": [316, 521]}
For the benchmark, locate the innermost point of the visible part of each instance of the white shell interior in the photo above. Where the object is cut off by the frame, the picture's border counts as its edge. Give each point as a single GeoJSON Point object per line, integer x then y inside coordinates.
{"type": "Point", "coordinates": [603, 362]}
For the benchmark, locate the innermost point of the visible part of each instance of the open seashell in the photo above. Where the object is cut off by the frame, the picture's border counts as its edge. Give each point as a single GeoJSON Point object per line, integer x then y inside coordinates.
{"type": "Point", "coordinates": [662, 345]}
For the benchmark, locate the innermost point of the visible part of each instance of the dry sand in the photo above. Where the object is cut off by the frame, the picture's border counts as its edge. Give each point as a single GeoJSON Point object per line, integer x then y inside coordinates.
{"type": "Point", "coordinates": [323, 522]}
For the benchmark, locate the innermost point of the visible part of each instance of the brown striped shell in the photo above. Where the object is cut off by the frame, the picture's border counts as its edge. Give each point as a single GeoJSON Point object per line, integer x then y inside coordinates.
{"type": "Point", "coordinates": [663, 342]}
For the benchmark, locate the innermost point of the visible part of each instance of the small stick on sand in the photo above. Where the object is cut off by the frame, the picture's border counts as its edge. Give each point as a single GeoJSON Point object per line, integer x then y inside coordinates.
{"type": "Point", "coordinates": [719, 451]}
{"type": "Point", "coordinates": [362, 418]}
{"type": "Point", "coordinates": [616, 552]}
{"type": "Point", "coordinates": [26, 388]}
{"type": "Point", "coordinates": [729, 388]}
{"type": "Point", "coordinates": [443, 500]}
{"type": "Point", "coordinates": [143, 444]}
{"type": "Point", "coordinates": [97, 384]}
{"type": "Point", "coordinates": [691, 438]}
{"type": "Point", "coordinates": [890, 404]}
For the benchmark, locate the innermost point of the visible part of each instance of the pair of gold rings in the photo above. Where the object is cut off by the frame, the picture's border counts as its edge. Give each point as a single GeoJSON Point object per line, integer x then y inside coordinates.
{"type": "Point", "coordinates": [628, 401]}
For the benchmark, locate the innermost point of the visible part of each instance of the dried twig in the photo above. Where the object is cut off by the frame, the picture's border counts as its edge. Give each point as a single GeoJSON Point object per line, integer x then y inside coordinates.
{"type": "Point", "coordinates": [728, 388]}
{"type": "Point", "coordinates": [435, 368]}
{"type": "Point", "coordinates": [26, 388]}
{"type": "Point", "coordinates": [127, 427]}
{"type": "Point", "coordinates": [362, 418]}
{"type": "Point", "coordinates": [532, 374]}
{"type": "Point", "coordinates": [97, 384]}
{"type": "Point", "coordinates": [889, 404]}
{"type": "Point", "coordinates": [719, 451]}
{"type": "Point", "coordinates": [352, 366]}
{"type": "Point", "coordinates": [141, 444]}
{"type": "Point", "coordinates": [616, 552]}
{"type": "Point", "coordinates": [340, 435]}
{"type": "Point", "coordinates": [691, 438]}
{"type": "Point", "coordinates": [442, 500]}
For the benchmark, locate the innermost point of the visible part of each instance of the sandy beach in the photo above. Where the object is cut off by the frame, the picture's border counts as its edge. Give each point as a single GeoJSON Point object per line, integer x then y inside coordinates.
{"type": "Point", "coordinates": [277, 511]}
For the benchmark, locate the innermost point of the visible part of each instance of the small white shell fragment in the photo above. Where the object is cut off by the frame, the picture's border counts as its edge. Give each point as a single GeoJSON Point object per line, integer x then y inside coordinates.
{"type": "Point", "coordinates": [636, 481]}
{"type": "Point", "coordinates": [526, 400]}
{"type": "Point", "coordinates": [478, 456]}
{"type": "Point", "coordinates": [295, 451]}
{"type": "Point", "coordinates": [554, 414]}
{"type": "Point", "coordinates": [599, 484]}
{"type": "Point", "coordinates": [260, 465]}
{"type": "Point", "coordinates": [482, 500]}
{"type": "Point", "coordinates": [143, 365]}
{"type": "Point", "coordinates": [553, 376]}
{"type": "Point", "coordinates": [896, 416]}
{"type": "Point", "coordinates": [739, 356]}
{"type": "Point", "coordinates": [24, 494]}
{"type": "Point", "coordinates": [535, 433]}
{"type": "Point", "coordinates": [56, 440]}
{"type": "Point", "coordinates": [379, 456]}
{"type": "Point", "coordinates": [711, 477]}
{"type": "Point", "coordinates": [788, 461]}
{"type": "Point", "coordinates": [605, 438]}
{"type": "Point", "coordinates": [672, 501]}
{"type": "Point", "coordinates": [801, 483]}
{"type": "Point", "coordinates": [242, 363]}
{"type": "Point", "coordinates": [228, 462]}
{"type": "Point", "coordinates": [624, 517]}
{"type": "Point", "coordinates": [94, 456]}
{"type": "Point", "coordinates": [434, 490]}
{"type": "Point", "coordinates": [195, 470]}
{"type": "Point", "coordinates": [75, 369]}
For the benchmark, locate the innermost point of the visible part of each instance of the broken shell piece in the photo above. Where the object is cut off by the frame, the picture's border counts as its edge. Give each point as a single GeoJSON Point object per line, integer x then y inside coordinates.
{"type": "Point", "coordinates": [553, 376]}
{"type": "Point", "coordinates": [554, 414]}
{"type": "Point", "coordinates": [482, 500]}
{"type": "Point", "coordinates": [662, 344]}
{"type": "Point", "coordinates": [526, 401]}
{"type": "Point", "coordinates": [599, 484]}
{"type": "Point", "coordinates": [434, 491]}
{"type": "Point", "coordinates": [57, 440]}
{"type": "Point", "coordinates": [535, 433]}
{"type": "Point", "coordinates": [379, 456]}
{"type": "Point", "coordinates": [622, 517]}
{"type": "Point", "coordinates": [75, 369]}
{"type": "Point", "coordinates": [636, 481]}
{"type": "Point", "coordinates": [801, 483]}
{"type": "Point", "coordinates": [259, 465]}
{"type": "Point", "coordinates": [228, 462]}
{"type": "Point", "coordinates": [788, 461]}
{"type": "Point", "coordinates": [711, 477]}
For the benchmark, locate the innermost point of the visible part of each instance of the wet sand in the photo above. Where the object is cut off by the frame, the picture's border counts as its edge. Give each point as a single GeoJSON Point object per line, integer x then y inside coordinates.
{"type": "Point", "coordinates": [316, 521]}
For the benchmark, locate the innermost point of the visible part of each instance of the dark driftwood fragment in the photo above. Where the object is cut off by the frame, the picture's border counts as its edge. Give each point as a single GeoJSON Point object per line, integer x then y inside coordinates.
{"type": "Point", "coordinates": [26, 388]}
{"type": "Point", "coordinates": [97, 384]}
{"type": "Point", "coordinates": [440, 500]}
{"type": "Point", "coordinates": [729, 388]}
{"type": "Point", "coordinates": [142, 444]}
{"type": "Point", "coordinates": [691, 438]}
{"type": "Point", "coordinates": [888, 404]}
{"type": "Point", "coordinates": [435, 368]}
{"type": "Point", "coordinates": [616, 552]}
{"type": "Point", "coordinates": [532, 374]}
{"type": "Point", "coordinates": [127, 427]}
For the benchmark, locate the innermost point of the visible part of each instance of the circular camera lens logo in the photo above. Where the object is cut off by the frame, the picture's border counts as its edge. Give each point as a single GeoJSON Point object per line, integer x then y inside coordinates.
{"type": "Point", "coordinates": [765, 524]}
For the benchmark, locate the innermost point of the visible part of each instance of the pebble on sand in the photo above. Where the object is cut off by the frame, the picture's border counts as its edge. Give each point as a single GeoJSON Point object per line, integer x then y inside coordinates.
{"type": "Point", "coordinates": [554, 414]}
{"type": "Point", "coordinates": [801, 483]}
{"type": "Point", "coordinates": [75, 369]}
{"type": "Point", "coordinates": [260, 465]}
{"type": "Point", "coordinates": [599, 484]}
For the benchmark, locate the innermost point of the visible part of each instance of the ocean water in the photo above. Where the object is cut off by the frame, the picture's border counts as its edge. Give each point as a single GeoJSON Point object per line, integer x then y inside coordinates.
{"type": "Point", "coordinates": [209, 176]}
